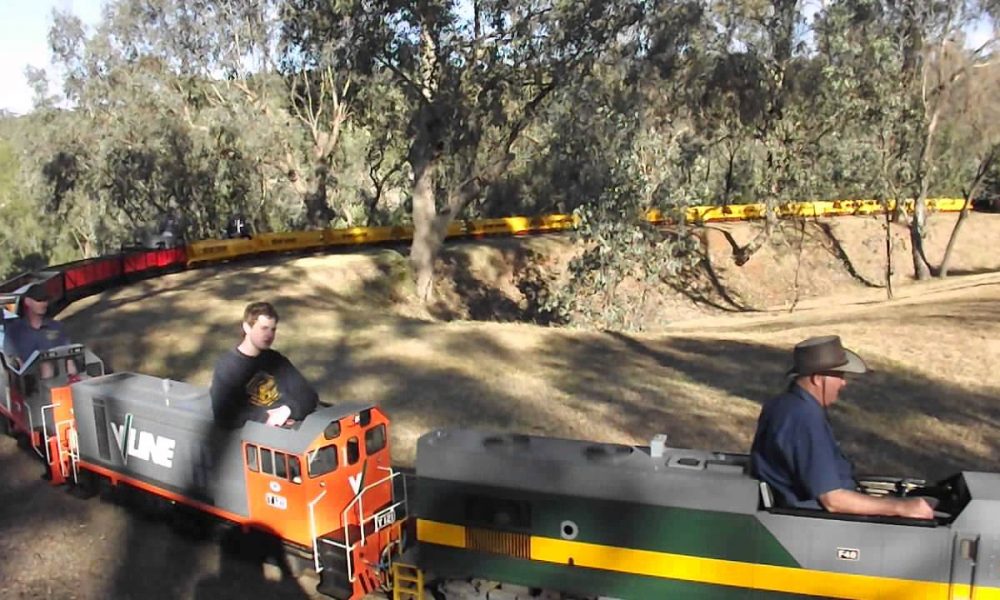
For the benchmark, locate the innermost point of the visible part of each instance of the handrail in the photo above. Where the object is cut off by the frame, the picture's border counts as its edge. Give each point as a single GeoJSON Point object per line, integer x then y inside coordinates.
{"type": "Point", "coordinates": [406, 500]}
{"type": "Point", "coordinates": [45, 430]}
{"type": "Point", "coordinates": [361, 518]}
{"type": "Point", "coordinates": [46, 437]}
{"type": "Point", "coordinates": [74, 452]}
{"type": "Point", "coordinates": [31, 429]}
{"type": "Point", "coordinates": [312, 531]}
{"type": "Point", "coordinates": [59, 444]}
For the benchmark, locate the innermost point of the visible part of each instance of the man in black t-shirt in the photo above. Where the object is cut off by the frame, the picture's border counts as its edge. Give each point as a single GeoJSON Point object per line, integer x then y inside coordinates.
{"type": "Point", "coordinates": [253, 382]}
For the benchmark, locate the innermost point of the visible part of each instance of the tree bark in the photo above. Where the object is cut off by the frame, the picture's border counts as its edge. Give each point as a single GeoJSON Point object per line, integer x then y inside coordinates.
{"type": "Point", "coordinates": [742, 255]}
{"type": "Point", "coordinates": [918, 224]}
{"type": "Point", "coordinates": [984, 167]}
{"type": "Point", "coordinates": [318, 211]}
{"type": "Point", "coordinates": [946, 260]}
{"type": "Point", "coordinates": [426, 243]}
{"type": "Point", "coordinates": [889, 218]}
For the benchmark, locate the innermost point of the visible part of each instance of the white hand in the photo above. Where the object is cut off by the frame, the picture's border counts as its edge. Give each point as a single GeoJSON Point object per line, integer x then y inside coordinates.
{"type": "Point", "coordinates": [276, 417]}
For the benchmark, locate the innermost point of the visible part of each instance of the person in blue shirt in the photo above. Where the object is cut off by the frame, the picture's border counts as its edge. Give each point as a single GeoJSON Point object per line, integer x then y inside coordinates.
{"type": "Point", "coordinates": [794, 449]}
{"type": "Point", "coordinates": [34, 331]}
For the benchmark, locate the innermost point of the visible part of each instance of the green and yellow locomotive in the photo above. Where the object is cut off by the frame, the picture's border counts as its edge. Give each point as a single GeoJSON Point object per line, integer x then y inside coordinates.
{"type": "Point", "coordinates": [657, 522]}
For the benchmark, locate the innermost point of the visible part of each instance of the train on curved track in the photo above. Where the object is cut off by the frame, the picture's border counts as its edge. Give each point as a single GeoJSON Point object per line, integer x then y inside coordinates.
{"type": "Point", "coordinates": [592, 519]}
{"type": "Point", "coordinates": [161, 254]}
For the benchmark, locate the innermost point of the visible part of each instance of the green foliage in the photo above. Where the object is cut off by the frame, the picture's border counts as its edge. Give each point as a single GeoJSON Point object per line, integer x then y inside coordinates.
{"type": "Point", "coordinates": [20, 234]}
{"type": "Point", "coordinates": [624, 257]}
{"type": "Point", "coordinates": [310, 113]}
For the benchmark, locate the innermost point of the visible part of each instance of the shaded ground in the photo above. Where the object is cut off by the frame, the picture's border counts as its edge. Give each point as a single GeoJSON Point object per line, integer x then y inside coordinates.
{"type": "Point", "coordinates": [350, 324]}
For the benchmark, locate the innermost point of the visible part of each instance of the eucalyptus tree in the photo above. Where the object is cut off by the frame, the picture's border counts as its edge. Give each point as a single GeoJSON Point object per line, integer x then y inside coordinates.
{"type": "Point", "coordinates": [918, 50]}
{"type": "Point", "coordinates": [190, 114]}
{"type": "Point", "coordinates": [472, 77]}
{"type": "Point", "coordinates": [946, 69]}
{"type": "Point", "coordinates": [970, 140]}
{"type": "Point", "coordinates": [22, 235]}
{"type": "Point", "coordinates": [759, 97]}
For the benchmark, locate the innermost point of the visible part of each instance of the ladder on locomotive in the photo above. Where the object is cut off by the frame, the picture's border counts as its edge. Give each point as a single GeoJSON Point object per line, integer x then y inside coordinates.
{"type": "Point", "coordinates": [367, 526]}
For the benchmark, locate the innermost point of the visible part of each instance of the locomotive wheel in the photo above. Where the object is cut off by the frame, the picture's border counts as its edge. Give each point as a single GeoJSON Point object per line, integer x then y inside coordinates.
{"type": "Point", "coordinates": [265, 548]}
{"type": "Point", "coordinates": [192, 523]}
{"type": "Point", "coordinates": [298, 565]}
{"type": "Point", "coordinates": [87, 485]}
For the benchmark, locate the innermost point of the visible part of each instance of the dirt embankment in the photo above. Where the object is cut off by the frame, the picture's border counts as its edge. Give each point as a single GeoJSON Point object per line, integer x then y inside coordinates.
{"type": "Point", "coordinates": [488, 280]}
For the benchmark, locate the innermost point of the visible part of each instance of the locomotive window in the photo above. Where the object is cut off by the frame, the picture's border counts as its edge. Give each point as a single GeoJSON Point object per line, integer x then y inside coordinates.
{"type": "Point", "coordinates": [375, 439]}
{"type": "Point", "coordinates": [29, 385]}
{"type": "Point", "coordinates": [48, 369]}
{"type": "Point", "coordinates": [294, 469]}
{"type": "Point", "coordinates": [322, 461]}
{"type": "Point", "coordinates": [252, 458]}
{"type": "Point", "coordinates": [353, 450]}
{"type": "Point", "coordinates": [332, 430]}
{"type": "Point", "coordinates": [266, 461]}
{"type": "Point", "coordinates": [280, 468]}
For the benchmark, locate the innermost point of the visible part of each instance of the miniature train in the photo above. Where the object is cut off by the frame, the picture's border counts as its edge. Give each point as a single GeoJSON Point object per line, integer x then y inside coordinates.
{"type": "Point", "coordinates": [166, 251]}
{"type": "Point", "coordinates": [659, 522]}
{"type": "Point", "coordinates": [629, 522]}
{"type": "Point", "coordinates": [324, 486]}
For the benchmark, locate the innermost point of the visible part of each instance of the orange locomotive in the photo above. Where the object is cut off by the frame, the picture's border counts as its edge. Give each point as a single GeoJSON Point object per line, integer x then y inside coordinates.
{"type": "Point", "coordinates": [27, 411]}
{"type": "Point", "coordinates": [324, 486]}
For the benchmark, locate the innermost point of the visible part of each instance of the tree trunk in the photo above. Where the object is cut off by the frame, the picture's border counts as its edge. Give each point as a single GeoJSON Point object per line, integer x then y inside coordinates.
{"type": "Point", "coordinates": [426, 241]}
{"type": "Point", "coordinates": [985, 164]}
{"type": "Point", "coordinates": [742, 256]}
{"type": "Point", "coordinates": [889, 218]}
{"type": "Point", "coordinates": [921, 269]}
{"type": "Point", "coordinates": [318, 211]}
{"type": "Point", "coordinates": [943, 270]}
{"type": "Point", "coordinates": [770, 218]}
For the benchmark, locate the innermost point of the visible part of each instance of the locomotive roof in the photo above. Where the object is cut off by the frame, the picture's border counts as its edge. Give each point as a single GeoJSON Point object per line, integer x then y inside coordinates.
{"type": "Point", "coordinates": [677, 477]}
{"type": "Point", "coordinates": [179, 401]}
{"type": "Point", "coordinates": [297, 438]}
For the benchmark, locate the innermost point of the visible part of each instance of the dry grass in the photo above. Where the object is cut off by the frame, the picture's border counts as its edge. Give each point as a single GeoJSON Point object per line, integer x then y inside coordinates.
{"type": "Point", "coordinates": [353, 329]}
{"type": "Point", "coordinates": [351, 324]}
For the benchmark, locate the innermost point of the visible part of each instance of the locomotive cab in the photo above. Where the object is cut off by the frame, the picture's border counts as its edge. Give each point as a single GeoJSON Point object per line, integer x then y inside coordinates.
{"type": "Point", "coordinates": [323, 486]}
{"type": "Point", "coordinates": [36, 401]}
{"type": "Point", "coordinates": [326, 485]}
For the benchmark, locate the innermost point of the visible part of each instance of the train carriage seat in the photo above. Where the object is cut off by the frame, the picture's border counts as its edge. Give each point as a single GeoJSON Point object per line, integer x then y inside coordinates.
{"type": "Point", "coordinates": [768, 504]}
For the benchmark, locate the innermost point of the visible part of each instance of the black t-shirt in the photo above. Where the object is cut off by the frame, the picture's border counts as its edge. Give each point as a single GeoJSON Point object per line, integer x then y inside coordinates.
{"type": "Point", "coordinates": [246, 387]}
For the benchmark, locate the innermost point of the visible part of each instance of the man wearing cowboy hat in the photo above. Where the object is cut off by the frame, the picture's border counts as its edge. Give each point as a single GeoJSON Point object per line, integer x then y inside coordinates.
{"type": "Point", "coordinates": [795, 451]}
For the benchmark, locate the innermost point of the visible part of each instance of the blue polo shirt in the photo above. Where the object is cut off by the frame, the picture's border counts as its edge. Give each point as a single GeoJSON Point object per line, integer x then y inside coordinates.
{"type": "Point", "coordinates": [795, 452]}
{"type": "Point", "coordinates": [21, 339]}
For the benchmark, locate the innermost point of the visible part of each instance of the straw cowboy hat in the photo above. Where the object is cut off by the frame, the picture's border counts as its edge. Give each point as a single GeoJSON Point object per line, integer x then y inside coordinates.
{"type": "Point", "coordinates": [823, 355]}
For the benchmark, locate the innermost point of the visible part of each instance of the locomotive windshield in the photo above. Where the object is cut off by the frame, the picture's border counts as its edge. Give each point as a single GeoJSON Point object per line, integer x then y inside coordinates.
{"type": "Point", "coordinates": [322, 461]}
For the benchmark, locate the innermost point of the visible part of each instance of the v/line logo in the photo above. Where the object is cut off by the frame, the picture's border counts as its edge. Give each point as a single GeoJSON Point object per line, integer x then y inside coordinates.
{"type": "Point", "coordinates": [143, 444]}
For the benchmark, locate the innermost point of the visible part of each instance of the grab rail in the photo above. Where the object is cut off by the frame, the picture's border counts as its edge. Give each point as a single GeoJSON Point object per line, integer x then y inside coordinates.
{"type": "Point", "coordinates": [361, 518]}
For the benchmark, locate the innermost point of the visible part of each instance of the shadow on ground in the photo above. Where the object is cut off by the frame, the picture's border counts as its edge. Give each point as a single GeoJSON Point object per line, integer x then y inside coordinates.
{"type": "Point", "coordinates": [613, 387]}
